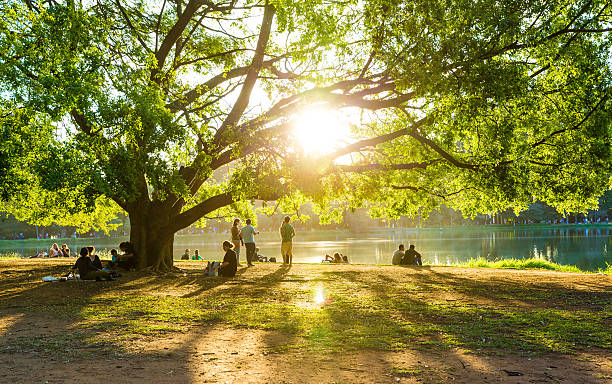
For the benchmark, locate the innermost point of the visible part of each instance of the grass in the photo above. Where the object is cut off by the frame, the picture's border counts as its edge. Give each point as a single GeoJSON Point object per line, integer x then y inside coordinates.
{"type": "Point", "coordinates": [532, 263]}
{"type": "Point", "coordinates": [361, 310]}
{"type": "Point", "coordinates": [328, 308]}
{"type": "Point", "coordinates": [10, 255]}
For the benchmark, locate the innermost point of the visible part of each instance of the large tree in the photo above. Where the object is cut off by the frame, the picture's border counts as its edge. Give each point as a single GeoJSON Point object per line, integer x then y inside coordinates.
{"type": "Point", "coordinates": [481, 104]}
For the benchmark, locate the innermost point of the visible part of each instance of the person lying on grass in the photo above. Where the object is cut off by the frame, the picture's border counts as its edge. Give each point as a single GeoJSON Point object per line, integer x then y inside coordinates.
{"type": "Point", "coordinates": [87, 270]}
{"type": "Point", "coordinates": [259, 257]}
{"type": "Point", "coordinates": [336, 259]}
{"type": "Point", "coordinates": [42, 253]}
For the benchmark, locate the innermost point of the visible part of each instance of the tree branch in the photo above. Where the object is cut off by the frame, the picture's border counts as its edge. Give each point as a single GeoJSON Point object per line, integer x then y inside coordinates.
{"type": "Point", "coordinates": [576, 126]}
{"type": "Point", "coordinates": [447, 156]}
{"type": "Point", "coordinates": [131, 26]}
{"type": "Point", "coordinates": [175, 33]}
{"type": "Point", "coordinates": [382, 167]}
{"type": "Point", "coordinates": [193, 214]}
{"type": "Point", "coordinates": [372, 142]}
{"type": "Point", "coordinates": [417, 189]}
{"type": "Point", "coordinates": [253, 72]}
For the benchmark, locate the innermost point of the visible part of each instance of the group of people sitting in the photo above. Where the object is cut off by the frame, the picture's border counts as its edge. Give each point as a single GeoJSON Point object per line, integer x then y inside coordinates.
{"type": "Point", "coordinates": [409, 257]}
{"type": "Point", "coordinates": [54, 251]}
{"type": "Point", "coordinates": [187, 256]}
{"type": "Point", "coordinates": [90, 266]}
{"type": "Point", "coordinates": [338, 258]}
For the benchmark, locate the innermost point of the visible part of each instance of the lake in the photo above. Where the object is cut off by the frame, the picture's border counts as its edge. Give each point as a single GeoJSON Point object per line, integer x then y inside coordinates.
{"type": "Point", "coordinates": [583, 246]}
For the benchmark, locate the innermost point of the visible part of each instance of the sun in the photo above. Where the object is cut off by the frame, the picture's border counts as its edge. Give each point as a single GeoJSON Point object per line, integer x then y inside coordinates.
{"type": "Point", "coordinates": [319, 131]}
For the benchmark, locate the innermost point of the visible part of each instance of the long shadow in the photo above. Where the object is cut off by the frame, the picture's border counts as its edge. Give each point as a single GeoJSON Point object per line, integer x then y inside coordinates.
{"type": "Point", "coordinates": [457, 324]}
{"type": "Point", "coordinates": [67, 300]}
{"type": "Point", "coordinates": [347, 316]}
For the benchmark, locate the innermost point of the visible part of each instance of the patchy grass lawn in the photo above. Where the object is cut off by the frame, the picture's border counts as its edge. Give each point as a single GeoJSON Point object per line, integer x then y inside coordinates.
{"type": "Point", "coordinates": [316, 310]}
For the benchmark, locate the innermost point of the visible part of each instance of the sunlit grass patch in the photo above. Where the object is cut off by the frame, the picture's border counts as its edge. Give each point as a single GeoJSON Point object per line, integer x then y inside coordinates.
{"type": "Point", "coordinates": [481, 262]}
{"type": "Point", "coordinates": [9, 255]}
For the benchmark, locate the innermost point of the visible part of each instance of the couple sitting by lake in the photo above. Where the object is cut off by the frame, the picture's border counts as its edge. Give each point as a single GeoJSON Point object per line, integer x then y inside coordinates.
{"type": "Point", "coordinates": [409, 257]}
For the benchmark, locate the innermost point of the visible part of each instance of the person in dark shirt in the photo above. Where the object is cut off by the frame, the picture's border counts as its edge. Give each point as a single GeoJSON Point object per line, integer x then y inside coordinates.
{"type": "Point", "coordinates": [95, 260]}
{"type": "Point", "coordinates": [128, 259]}
{"type": "Point", "coordinates": [412, 257]}
{"type": "Point", "coordinates": [229, 265]}
{"type": "Point", "coordinates": [87, 270]}
{"type": "Point", "coordinates": [65, 250]}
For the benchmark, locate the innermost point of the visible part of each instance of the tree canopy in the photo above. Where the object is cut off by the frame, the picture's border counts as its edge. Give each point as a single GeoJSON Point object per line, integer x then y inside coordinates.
{"type": "Point", "coordinates": [177, 110]}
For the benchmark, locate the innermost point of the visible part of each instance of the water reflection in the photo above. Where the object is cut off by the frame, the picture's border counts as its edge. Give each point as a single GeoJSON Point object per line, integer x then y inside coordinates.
{"type": "Point", "coordinates": [586, 248]}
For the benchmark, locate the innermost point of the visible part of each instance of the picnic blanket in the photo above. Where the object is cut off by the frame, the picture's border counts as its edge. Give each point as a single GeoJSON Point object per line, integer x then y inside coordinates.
{"type": "Point", "coordinates": [71, 277]}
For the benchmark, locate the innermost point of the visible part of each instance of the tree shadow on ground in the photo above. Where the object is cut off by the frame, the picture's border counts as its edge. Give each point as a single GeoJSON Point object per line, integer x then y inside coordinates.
{"type": "Point", "coordinates": [367, 310]}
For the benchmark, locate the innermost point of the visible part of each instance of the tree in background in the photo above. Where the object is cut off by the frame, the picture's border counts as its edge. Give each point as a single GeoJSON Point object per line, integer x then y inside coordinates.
{"type": "Point", "coordinates": [482, 105]}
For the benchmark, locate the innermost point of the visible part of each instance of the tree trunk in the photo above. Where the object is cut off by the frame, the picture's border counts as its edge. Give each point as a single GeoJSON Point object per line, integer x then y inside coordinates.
{"type": "Point", "coordinates": [154, 223]}
{"type": "Point", "coordinates": [151, 238]}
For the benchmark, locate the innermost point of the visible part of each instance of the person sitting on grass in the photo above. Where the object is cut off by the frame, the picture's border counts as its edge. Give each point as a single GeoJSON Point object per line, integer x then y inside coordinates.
{"type": "Point", "coordinates": [65, 251]}
{"type": "Point", "coordinates": [259, 257]}
{"type": "Point", "coordinates": [54, 251]}
{"type": "Point", "coordinates": [87, 270]}
{"type": "Point", "coordinates": [345, 259]}
{"type": "Point", "coordinates": [95, 260]}
{"type": "Point", "coordinates": [114, 258]}
{"type": "Point", "coordinates": [398, 255]}
{"type": "Point", "coordinates": [196, 255]}
{"type": "Point", "coordinates": [185, 256]}
{"type": "Point", "coordinates": [412, 257]}
{"type": "Point", "coordinates": [229, 265]}
{"type": "Point", "coordinates": [128, 259]}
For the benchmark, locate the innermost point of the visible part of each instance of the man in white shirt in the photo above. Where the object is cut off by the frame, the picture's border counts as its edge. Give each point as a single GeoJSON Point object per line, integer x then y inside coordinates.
{"type": "Point", "coordinates": [398, 255]}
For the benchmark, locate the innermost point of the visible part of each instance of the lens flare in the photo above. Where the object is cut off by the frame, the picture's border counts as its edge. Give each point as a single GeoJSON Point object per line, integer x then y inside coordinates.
{"type": "Point", "coordinates": [319, 296]}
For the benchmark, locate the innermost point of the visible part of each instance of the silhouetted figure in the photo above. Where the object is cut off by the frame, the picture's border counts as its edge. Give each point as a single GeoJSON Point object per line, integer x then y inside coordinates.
{"type": "Point", "coordinates": [412, 257]}
{"type": "Point", "coordinates": [87, 270]}
{"type": "Point", "coordinates": [287, 233]}
{"type": "Point", "coordinates": [229, 265]}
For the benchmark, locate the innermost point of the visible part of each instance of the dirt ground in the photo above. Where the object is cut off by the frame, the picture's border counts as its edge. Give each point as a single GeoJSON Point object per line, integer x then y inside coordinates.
{"type": "Point", "coordinates": [221, 353]}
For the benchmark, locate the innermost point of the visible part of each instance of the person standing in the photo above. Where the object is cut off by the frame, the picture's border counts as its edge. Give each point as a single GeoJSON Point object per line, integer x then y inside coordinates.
{"type": "Point", "coordinates": [248, 236]}
{"type": "Point", "coordinates": [287, 233]}
{"type": "Point", "coordinates": [236, 240]}
{"type": "Point", "coordinates": [398, 255]}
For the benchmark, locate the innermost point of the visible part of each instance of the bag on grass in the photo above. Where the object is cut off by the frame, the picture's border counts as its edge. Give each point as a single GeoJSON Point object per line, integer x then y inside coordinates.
{"type": "Point", "coordinates": [212, 268]}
